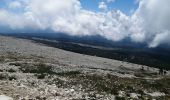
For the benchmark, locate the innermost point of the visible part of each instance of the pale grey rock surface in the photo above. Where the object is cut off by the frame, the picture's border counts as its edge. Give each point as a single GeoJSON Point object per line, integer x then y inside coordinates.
{"type": "Point", "coordinates": [18, 84]}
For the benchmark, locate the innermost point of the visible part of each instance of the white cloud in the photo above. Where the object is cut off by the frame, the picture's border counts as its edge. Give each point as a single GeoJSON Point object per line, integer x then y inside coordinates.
{"type": "Point", "coordinates": [10, 20]}
{"type": "Point", "coordinates": [69, 18]}
{"type": "Point", "coordinates": [161, 38]}
{"type": "Point", "coordinates": [109, 1]}
{"type": "Point", "coordinates": [149, 23]}
{"type": "Point", "coordinates": [102, 5]}
{"type": "Point", "coordinates": [14, 5]}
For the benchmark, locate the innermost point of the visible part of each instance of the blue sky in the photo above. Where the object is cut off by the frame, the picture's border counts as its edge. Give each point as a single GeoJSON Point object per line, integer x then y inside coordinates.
{"type": "Point", "coordinates": [126, 6]}
{"type": "Point", "coordinates": [2, 4]}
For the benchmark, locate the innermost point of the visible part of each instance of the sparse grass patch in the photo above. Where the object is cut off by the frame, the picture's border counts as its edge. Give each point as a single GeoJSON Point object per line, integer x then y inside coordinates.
{"type": "Point", "coordinates": [2, 59]}
{"type": "Point", "coordinates": [11, 70]}
{"type": "Point", "coordinates": [145, 74]}
{"type": "Point", "coordinates": [39, 68]}
{"type": "Point", "coordinates": [163, 85]}
{"type": "Point", "coordinates": [12, 78]}
{"type": "Point", "coordinates": [112, 84]}
{"type": "Point", "coordinates": [139, 75]}
{"type": "Point", "coordinates": [68, 73]}
{"type": "Point", "coordinates": [59, 83]}
{"type": "Point", "coordinates": [91, 82]}
{"type": "Point", "coordinates": [40, 76]}
{"type": "Point", "coordinates": [5, 76]}
{"type": "Point", "coordinates": [12, 56]}
{"type": "Point", "coordinates": [16, 64]}
{"type": "Point", "coordinates": [120, 98]}
{"type": "Point", "coordinates": [64, 84]}
{"type": "Point", "coordinates": [167, 97]}
{"type": "Point", "coordinates": [1, 70]}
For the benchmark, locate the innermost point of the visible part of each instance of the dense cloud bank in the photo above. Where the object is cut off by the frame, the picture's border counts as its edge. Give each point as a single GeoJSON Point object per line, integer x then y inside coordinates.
{"type": "Point", "coordinates": [149, 23]}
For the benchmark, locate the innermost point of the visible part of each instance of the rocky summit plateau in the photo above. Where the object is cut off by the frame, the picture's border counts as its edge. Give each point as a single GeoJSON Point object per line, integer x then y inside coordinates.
{"type": "Point", "coordinates": [35, 71]}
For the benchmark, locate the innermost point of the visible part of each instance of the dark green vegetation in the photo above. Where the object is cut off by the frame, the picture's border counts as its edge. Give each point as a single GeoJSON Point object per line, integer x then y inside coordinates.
{"type": "Point", "coordinates": [39, 68]}
{"type": "Point", "coordinates": [68, 73]}
{"type": "Point", "coordinates": [112, 85]}
{"type": "Point", "coordinates": [155, 58]}
{"type": "Point", "coordinates": [124, 51]}
{"type": "Point", "coordinates": [108, 83]}
{"type": "Point", "coordinates": [97, 83]}
{"type": "Point", "coordinates": [5, 76]}
{"type": "Point", "coordinates": [9, 56]}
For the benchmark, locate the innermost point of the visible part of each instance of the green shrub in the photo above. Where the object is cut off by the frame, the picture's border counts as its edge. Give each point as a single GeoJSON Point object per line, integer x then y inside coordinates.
{"type": "Point", "coordinates": [68, 73]}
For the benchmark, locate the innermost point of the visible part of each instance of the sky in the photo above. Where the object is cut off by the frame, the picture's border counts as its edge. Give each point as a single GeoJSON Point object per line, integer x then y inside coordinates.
{"type": "Point", "coordinates": [142, 21]}
{"type": "Point", "coordinates": [92, 5]}
{"type": "Point", "coordinates": [125, 7]}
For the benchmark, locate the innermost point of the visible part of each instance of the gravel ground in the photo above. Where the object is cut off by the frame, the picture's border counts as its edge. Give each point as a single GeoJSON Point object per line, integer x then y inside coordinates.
{"type": "Point", "coordinates": [32, 71]}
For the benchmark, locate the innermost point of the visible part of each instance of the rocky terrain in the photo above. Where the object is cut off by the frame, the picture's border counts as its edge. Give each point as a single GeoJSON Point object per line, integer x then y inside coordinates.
{"type": "Point", "coordinates": [34, 71]}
